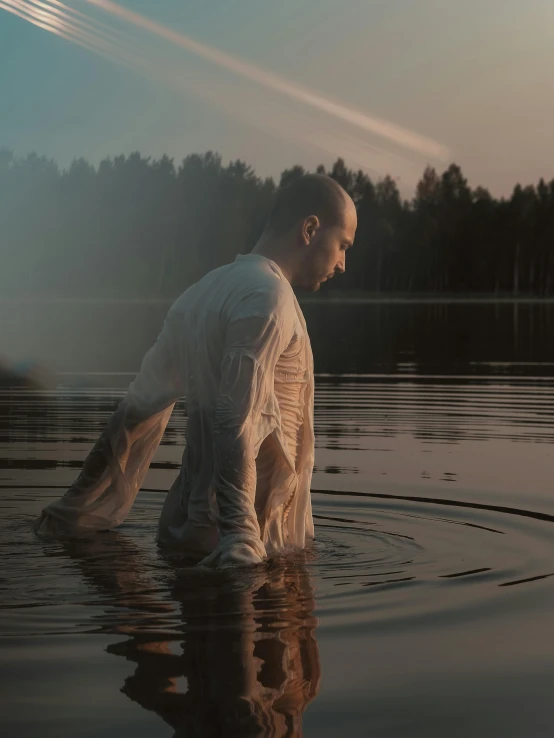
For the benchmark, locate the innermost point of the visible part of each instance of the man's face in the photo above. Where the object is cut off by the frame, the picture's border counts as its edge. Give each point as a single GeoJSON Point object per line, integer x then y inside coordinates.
{"type": "Point", "coordinates": [325, 253]}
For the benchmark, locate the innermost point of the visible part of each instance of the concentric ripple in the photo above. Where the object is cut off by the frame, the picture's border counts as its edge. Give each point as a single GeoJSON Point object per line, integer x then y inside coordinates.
{"type": "Point", "coordinates": [392, 544]}
{"type": "Point", "coordinates": [433, 561]}
{"type": "Point", "coordinates": [384, 558]}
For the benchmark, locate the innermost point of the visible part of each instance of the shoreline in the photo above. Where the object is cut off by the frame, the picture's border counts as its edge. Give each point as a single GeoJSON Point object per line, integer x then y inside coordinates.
{"type": "Point", "coordinates": [336, 298]}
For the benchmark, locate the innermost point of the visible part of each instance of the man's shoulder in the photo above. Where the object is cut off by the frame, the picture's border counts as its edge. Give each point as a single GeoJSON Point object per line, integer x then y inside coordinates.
{"type": "Point", "coordinates": [245, 286]}
{"type": "Point", "coordinates": [261, 288]}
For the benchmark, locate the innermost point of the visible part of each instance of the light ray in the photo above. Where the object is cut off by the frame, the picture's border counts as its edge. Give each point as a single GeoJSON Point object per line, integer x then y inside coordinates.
{"type": "Point", "coordinates": [398, 135]}
{"type": "Point", "coordinates": [63, 27]}
{"type": "Point", "coordinates": [22, 10]}
{"type": "Point", "coordinates": [269, 116]}
{"type": "Point", "coordinates": [85, 20]}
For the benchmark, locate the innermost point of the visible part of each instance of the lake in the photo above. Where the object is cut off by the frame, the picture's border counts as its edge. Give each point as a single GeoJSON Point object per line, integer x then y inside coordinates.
{"type": "Point", "coordinates": [425, 606]}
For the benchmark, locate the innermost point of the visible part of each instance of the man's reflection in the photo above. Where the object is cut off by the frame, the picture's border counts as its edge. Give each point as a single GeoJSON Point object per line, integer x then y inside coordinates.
{"type": "Point", "coordinates": [243, 640]}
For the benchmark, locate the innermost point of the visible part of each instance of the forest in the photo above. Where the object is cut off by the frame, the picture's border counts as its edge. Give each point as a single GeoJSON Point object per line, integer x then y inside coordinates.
{"type": "Point", "coordinates": [134, 226]}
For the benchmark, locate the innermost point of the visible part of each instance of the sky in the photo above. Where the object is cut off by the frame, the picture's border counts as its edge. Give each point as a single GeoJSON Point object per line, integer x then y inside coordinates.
{"type": "Point", "coordinates": [389, 85]}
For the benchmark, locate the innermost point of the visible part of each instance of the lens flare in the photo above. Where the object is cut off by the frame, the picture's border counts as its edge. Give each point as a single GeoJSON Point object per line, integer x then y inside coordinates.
{"type": "Point", "coordinates": [298, 119]}
{"type": "Point", "coordinates": [396, 134]}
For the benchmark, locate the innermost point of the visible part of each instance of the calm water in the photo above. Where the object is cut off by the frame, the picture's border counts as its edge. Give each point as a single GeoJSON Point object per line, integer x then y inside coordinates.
{"type": "Point", "coordinates": [424, 608]}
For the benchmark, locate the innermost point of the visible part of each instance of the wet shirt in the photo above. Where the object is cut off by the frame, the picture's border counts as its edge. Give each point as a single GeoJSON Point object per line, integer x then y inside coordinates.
{"type": "Point", "coordinates": [235, 345]}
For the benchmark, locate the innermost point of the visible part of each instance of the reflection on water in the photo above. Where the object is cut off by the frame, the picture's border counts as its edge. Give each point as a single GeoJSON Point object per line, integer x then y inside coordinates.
{"type": "Point", "coordinates": [431, 337]}
{"type": "Point", "coordinates": [244, 645]}
{"type": "Point", "coordinates": [431, 579]}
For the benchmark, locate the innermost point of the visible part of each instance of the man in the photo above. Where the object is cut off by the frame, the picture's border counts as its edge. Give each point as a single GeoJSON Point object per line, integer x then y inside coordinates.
{"type": "Point", "coordinates": [235, 346]}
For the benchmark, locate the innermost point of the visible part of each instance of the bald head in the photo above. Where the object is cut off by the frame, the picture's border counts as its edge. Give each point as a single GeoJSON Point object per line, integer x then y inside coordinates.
{"type": "Point", "coordinates": [311, 194]}
{"type": "Point", "coordinates": [311, 225]}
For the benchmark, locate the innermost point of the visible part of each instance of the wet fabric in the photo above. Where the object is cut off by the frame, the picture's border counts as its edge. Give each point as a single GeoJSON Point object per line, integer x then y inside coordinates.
{"type": "Point", "coordinates": [235, 345]}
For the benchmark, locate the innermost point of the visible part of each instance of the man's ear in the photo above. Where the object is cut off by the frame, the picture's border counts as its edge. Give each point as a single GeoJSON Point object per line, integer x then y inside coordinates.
{"type": "Point", "coordinates": [309, 228]}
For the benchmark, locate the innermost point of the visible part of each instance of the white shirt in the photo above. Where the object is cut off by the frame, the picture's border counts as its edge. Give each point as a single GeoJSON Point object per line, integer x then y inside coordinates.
{"type": "Point", "coordinates": [235, 345]}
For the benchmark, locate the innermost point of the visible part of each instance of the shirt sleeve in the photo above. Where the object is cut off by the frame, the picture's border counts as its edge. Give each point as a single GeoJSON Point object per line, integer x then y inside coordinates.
{"type": "Point", "coordinates": [246, 412]}
{"type": "Point", "coordinates": [103, 494]}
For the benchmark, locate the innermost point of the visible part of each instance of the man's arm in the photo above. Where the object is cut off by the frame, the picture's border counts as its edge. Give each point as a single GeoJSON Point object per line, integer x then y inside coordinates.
{"type": "Point", "coordinates": [245, 414]}
{"type": "Point", "coordinates": [112, 473]}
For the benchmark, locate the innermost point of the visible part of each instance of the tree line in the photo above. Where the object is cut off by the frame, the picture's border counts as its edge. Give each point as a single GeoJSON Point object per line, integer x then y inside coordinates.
{"type": "Point", "coordinates": [140, 227]}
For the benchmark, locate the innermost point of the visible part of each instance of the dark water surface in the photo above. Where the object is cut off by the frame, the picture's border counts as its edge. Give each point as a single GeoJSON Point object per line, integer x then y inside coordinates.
{"type": "Point", "coordinates": [425, 607]}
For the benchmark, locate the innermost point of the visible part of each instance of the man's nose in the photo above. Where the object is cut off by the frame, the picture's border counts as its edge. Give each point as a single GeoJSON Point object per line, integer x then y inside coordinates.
{"type": "Point", "coordinates": [340, 267]}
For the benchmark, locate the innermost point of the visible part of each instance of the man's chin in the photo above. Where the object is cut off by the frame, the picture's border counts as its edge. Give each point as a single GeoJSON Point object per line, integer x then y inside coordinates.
{"type": "Point", "coordinates": [313, 287]}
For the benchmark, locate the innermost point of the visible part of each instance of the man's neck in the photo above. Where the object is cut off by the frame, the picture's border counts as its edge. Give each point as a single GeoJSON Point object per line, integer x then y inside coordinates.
{"type": "Point", "coordinates": [274, 249]}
